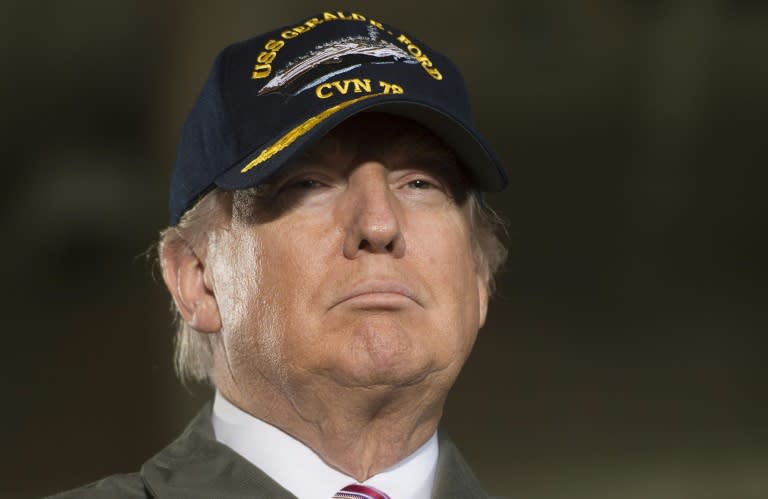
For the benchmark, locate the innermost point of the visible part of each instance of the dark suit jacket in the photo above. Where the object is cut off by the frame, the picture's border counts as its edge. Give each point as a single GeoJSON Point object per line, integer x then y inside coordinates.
{"type": "Point", "coordinates": [196, 466]}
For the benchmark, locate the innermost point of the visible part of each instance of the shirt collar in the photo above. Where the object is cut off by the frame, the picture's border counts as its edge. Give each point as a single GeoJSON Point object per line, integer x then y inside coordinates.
{"type": "Point", "coordinates": [301, 471]}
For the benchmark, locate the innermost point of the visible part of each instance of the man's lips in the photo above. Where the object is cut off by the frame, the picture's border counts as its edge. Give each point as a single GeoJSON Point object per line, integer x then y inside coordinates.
{"type": "Point", "coordinates": [379, 293]}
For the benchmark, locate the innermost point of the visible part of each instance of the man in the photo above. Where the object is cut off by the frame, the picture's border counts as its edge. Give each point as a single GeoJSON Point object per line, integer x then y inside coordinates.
{"type": "Point", "coordinates": [330, 259]}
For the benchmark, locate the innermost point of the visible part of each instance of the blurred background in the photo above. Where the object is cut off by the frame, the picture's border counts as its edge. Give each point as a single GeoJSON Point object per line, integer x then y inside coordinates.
{"type": "Point", "coordinates": [625, 355]}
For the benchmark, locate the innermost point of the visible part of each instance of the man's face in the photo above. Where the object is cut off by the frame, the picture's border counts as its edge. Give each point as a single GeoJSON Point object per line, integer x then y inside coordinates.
{"type": "Point", "coordinates": [353, 268]}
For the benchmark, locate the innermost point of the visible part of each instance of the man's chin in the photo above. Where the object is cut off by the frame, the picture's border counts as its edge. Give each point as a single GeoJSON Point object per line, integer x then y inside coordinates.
{"type": "Point", "coordinates": [379, 350]}
{"type": "Point", "coordinates": [383, 375]}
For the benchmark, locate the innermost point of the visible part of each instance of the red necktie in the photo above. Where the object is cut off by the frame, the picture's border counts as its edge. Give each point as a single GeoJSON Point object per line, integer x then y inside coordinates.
{"type": "Point", "coordinates": [360, 492]}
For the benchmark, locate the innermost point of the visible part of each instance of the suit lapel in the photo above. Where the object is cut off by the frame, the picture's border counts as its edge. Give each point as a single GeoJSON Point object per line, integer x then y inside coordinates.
{"type": "Point", "coordinates": [454, 478]}
{"type": "Point", "coordinates": [197, 466]}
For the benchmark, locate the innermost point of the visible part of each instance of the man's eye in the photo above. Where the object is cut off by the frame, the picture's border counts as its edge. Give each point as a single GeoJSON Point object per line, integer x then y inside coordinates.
{"type": "Point", "coordinates": [304, 184]}
{"type": "Point", "coordinates": [420, 183]}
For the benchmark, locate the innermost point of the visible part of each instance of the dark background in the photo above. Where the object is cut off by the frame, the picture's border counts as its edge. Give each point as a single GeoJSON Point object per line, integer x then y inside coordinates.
{"type": "Point", "coordinates": [625, 352]}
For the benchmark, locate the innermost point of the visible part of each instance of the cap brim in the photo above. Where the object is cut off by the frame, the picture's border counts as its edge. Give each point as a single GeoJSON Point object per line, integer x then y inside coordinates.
{"type": "Point", "coordinates": [485, 168]}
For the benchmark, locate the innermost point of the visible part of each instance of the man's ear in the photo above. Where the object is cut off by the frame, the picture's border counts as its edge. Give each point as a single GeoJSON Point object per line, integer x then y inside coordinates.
{"type": "Point", "coordinates": [183, 273]}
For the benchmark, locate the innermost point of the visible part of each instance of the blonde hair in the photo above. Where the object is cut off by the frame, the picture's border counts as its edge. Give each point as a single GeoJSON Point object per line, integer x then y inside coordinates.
{"type": "Point", "coordinates": [193, 357]}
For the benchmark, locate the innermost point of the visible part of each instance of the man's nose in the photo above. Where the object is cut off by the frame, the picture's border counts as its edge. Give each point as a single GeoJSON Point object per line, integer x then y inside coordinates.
{"type": "Point", "coordinates": [374, 215]}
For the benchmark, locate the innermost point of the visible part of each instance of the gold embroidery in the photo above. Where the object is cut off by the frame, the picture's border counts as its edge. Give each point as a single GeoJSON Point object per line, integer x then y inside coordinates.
{"type": "Point", "coordinates": [293, 135]}
{"type": "Point", "coordinates": [343, 87]}
{"type": "Point", "coordinates": [420, 57]}
{"type": "Point", "coordinates": [264, 60]}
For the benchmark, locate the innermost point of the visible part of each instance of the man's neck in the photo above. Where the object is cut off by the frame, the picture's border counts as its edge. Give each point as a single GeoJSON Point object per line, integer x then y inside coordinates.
{"type": "Point", "coordinates": [299, 469]}
{"type": "Point", "coordinates": [358, 431]}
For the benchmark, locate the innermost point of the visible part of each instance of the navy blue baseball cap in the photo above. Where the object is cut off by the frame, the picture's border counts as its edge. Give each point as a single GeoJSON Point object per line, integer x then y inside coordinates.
{"type": "Point", "coordinates": [268, 98]}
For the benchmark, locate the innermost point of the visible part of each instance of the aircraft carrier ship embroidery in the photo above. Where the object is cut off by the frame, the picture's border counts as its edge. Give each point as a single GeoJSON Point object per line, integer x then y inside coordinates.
{"type": "Point", "coordinates": [346, 53]}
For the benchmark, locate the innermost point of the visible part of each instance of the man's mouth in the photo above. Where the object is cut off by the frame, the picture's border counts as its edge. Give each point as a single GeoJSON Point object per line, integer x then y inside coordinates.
{"type": "Point", "coordinates": [379, 293]}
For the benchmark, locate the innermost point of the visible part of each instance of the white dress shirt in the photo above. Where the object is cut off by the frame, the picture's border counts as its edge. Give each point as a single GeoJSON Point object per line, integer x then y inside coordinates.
{"type": "Point", "coordinates": [299, 470]}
